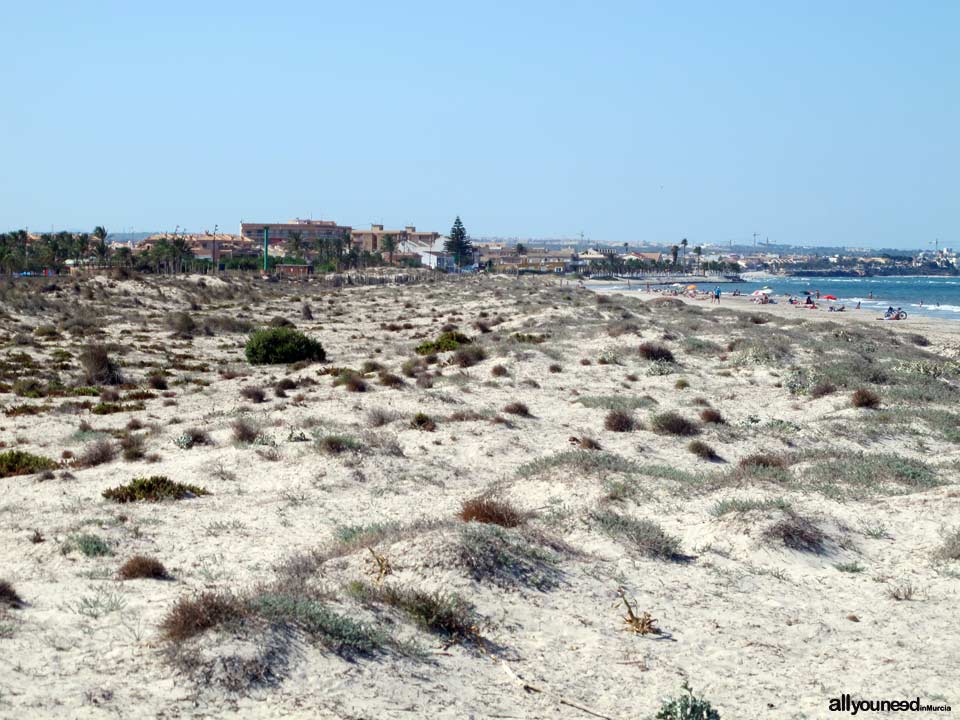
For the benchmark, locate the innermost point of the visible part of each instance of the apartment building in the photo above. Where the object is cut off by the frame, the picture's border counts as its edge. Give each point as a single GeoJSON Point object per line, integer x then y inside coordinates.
{"type": "Point", "coordinates": [372, 240]}
{"type": "Point", "coordinates": [309, 231]}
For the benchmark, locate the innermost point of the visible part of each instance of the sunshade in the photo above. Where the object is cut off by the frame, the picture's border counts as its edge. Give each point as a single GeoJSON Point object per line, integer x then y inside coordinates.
{"type": "Point", "coordinates": [828, 297]}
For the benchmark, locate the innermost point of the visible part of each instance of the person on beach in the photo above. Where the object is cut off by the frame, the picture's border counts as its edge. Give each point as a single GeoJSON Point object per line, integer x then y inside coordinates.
{"type": "Point", "coordinates": [716, 295]}
{"type": "Point", "coordinates": [858, 304]}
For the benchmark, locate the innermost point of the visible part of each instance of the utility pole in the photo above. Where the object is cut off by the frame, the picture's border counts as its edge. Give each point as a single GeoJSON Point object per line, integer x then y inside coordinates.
{"type": "Point", "coordinates": [755, 239]}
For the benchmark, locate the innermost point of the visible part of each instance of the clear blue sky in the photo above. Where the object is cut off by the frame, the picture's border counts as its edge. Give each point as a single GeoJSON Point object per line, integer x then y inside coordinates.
{"type": "Point", "coordinates": [808, 122]}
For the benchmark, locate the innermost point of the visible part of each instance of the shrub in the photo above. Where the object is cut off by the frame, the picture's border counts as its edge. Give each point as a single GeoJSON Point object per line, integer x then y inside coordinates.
{"type": "Point", "coordinates": [619, 421]}
{"type": "Point", "coordinates": [9, 596]}
{"type": "Point", "coordinates": [670, 423]}
{"type": "Point", "coordinates": [190, 617]}
{"type": "Point", "coordinates": [763, 460]}
{"type": "Point", "coordinates": [864, 398]}
{"type": "Point", "coordinates": [157, 381]}
{"type": "Point", "coordinates": [98, 368]}
{"type": "Point", "coordinates": [306, 312]}
{"type": "Point", "coordinates": [253, 394]}
{"type": "Point", "coordinates": [469, 356]}
{"type": "Point", "coordinates": [445, 342]}
{"type": "Point", "coordinates": [181, 323]}
{"type": "Point", "coordinates": [681, 384]}
{"type": "Point", "coordinates": [822, 388]}
{"type": "Point", "coordinates": [192, 437]}
{"type": "Point", "coordinates": [282, 345]}
{"type": "Point", "coordinates": [709, 415]}
{"type": "Point", "coordinates": [336, 444]}
{"type": "Point", "coordinates": [702, 450]}
{"type": "Point", "coordinates": [388, 379]}
{"type": "Point", "coordinates": [141, 566]}
{"type": "Point", "coordinates": [18, 462]}
{"type": "Point", "coordinates": [152, 489]}
{"type": "Point", "coordinates": [687, 707]}
{"type": "Point", "coordinates": [278, 321]}
{"type": "Point", "coordinates": [244, 431]}
{"type": "Point", "coordinates": [950, 550]}
{"type": "Point", "coordinates": [379, 417]}
{"type": "Point", "coordinates": [445, 614]}
{"type": "Point", "coordinates": [655, 351]}
{"type": "Point", "coordinates": [555, 368]}
{"type": "Point", "coordinates": [96, 453]}
{"type": "Point", "coordinates": [484, 509]}
{"type": "Point", "coordinates": [133, 446]}
{"type": "Point", "coordinates": [517, 408]}
{"type": "Point", "coordinates": [645, 536]}
{"type": "Point", "coordinates": [29, 387]}
{"type": "Point", "coordinates": [499, 371]}
{"type": "Point", "coordinates": [422, 421]}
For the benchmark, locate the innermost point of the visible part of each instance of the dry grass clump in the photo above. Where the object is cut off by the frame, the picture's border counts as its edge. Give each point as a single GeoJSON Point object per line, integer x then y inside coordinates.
{"type": "Point", "coordinates": [379, 417]}
{"type": "Point", "coordinates": [499, 371]}
{"type": "Point", "coordinates": [9, 596]}
{"type": "Point", "coordinates": [336, 444]}
{"type": "Point", "coordinates": [619, 421]}
{"type": "Point", "coordinates": [422, 421]}
{"type": "Point", "coordinates": [351, 380]}
{"type": "Point", "coordinates": [702, 450]}
{"type": "Point", "coordinates": [96, 453]}
{"type": "Point", "coordinates": [253, 394]}
{"type": "Point", "coordinates": [655, 352]}
{"type": "Point", "coordinates": [864, 398]}
{"type": "Point", "coordinates": [711, 416]}
{"type": "Point", "coordinates": [18, 462]}
{"type": "Point", "coordinates": [244, 431]}
{"type": "Point", "coordinates": [797, 533]}
{"type": "Point", "coordinates": [157, 381]}
{"type": "Point", "coordinates": [191, 616]}
{"type": "Point", "coordinates": [517, 408]}
{"type": "Point", "coordinates": [152, 489]}
{"type": "Point", "coordinates": [484, 509]}
{"type": "Point", "coordinates": [671, 423]}
{"type": "Point", "coordinates": [555, 368]}
{"type": "Point", "coordinates": [142, 566]}
{"type": "Point", "coordinates": [192, 437]}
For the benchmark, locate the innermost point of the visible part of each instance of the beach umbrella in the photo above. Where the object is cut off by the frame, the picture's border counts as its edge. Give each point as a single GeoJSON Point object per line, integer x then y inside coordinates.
{"type": "Point", "coordinates": [828, 297]}
{"type": "Point", "coordinates": [691, 287]}
{"type": "Point", "coordinates": [764, 291]}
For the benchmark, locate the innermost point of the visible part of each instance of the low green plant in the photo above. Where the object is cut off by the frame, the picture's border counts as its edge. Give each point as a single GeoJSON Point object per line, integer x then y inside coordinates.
{"type": "Point", "coordinates": [445, 342]}
{"type": "Point", "coordinates": [152, 489]}
{"type": "Point", "coordinates": [18, 462]}
{"type": "Point", "coordinates": [687, 707]}
{"type": "Point", "coordinates": [645, 536]}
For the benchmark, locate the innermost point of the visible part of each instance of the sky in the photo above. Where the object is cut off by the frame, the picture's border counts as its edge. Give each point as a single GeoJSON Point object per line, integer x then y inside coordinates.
{"type": "Point", "coordinates": [824, 123]}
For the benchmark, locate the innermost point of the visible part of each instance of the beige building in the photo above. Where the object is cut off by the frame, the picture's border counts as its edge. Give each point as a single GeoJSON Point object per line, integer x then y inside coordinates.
{"type": "Point", "coordinates": [279, 233]}
{"type": "Point", "coordinates": [372, 240]}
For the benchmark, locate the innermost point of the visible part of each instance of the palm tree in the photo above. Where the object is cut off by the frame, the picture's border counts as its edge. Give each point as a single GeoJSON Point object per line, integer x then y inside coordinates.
{"type": "Point", "coordinates": [683, 244]}
{"type": "Point", "coordinates": [181, 252]}
{"type": "Point", "coordinates": [389, 244]}
{"type": "Point", "coordinates": [673, 255]}
{"type": "Point", "coordinates": [698, 251]}
{"type": "Point", "coordinates": [124, 256]}
{"type": "Point", "coordinates": [294, 244]}
{"type": "Point", "coordinates": [102, 251]}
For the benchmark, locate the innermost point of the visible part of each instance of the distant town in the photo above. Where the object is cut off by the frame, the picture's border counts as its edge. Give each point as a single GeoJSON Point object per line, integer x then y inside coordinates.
{"type": "Point", "coordinates": [301, 247]}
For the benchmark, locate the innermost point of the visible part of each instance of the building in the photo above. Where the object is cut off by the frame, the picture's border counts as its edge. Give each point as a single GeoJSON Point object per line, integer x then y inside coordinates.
{"type": "Point", "coordinates": [309, 231]}
{"type": "Point", "coordinates": [372, 240]}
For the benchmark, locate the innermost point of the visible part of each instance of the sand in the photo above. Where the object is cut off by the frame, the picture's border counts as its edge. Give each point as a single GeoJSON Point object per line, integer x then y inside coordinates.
{"type": "Point", "coordinates": [757, 628]}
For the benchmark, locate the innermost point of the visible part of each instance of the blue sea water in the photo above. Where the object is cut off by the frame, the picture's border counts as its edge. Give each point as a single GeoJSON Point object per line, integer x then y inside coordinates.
{"type": "Point", "coordinates": [940, 295]}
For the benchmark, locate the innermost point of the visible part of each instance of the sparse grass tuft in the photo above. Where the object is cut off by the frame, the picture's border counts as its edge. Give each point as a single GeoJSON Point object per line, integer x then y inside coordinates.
{"type": "Point", "coordinates": [422, 421]}
{"type": "Point", "coordinates": [797, 533]}
{"type": "Point", "coordinates": [191, 616]}
{"type": "Point", "coordinates": [644, 536]}
{"type": "Point", "coordinates": [950, 550]}
{"type": "Point", "coordinates": [253, 394]}
{"type": "Point", "coordinates": [655, 352]}
{"type": "Point", "coordinates": [244, 431]}
{"type": "Point", "coordinates": [517, 408]}
{"type": "Point", "coordinates": [702, 450]}
{"type": "Point", "coordinates": [711, 416]}
{"type": "Point", "coordinates": [505, 557]}
{"type": "Point", "coordinates": [447, 615]}
{"type": "Point", "coordinates": [8, 596]}
{"type": "Point", "coordinates": [98, 368]}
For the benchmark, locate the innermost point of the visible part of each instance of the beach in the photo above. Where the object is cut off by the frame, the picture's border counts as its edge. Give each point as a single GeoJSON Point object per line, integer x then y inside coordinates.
{"type": "Point", "coordinates": [467, 506]}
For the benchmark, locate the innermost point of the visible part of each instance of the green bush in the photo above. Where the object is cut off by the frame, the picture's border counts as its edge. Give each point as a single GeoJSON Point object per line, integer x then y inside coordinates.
{"type": "Point", "coordinates": [152, 489]}
{"type": "Point", "coordinates": [687, 707]}
{"type": "Point", "coordinates": [282, 345]}
{"type": "Point", "coordinates": [445, 342]}
{"type": "Point", "coordinates": [18, 462]}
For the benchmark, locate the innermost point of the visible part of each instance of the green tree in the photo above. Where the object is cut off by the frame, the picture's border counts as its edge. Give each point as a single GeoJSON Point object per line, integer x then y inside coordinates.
{"type": "Point", "coordinates": [673, 255]}
{"type": "Point", "coordinates": [683, 244]}
{"type": "Point", "coordinates": [294, 245]}
{"type": "Point", "coordinates": [390, 245]}
{"type": "Point", "coordinates": [698, 251]}
{"type": "Point", "coordinates": [521, 249]}
{"type": "Point", "coordinates": [459, 244]}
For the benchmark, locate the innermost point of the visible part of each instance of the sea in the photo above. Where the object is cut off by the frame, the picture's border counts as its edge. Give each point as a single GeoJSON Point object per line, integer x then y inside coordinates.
{"type": "Point", "coordinates": [930, 296]}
